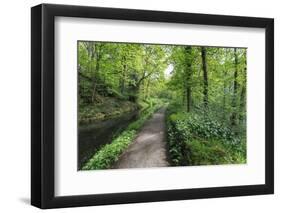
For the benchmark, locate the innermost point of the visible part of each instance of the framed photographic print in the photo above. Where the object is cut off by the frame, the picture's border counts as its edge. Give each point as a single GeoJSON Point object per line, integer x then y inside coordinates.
{"type": "Point", "coordinates": [140, 106]}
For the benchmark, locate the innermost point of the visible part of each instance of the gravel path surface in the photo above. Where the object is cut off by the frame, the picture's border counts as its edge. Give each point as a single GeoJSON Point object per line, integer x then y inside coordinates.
{"type": "Point", "coordinates": [149, 147]}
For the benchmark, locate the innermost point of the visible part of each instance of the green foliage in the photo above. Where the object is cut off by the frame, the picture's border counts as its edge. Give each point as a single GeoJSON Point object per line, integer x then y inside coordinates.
{"type": "Point", "coordinates": [204, 127]}
{"type": "Point", "coordinates": [206, 124]}
{"type": "Point", "coordinates": [146, 114]}
{"type": "Point", "coordinates": [109, 154]}
{"type": "Point", "coordinates": [207, 120]}
{"type": "Point", "coordinates": [197, 140]}
{"type": "Point", "coordinates": [108, 108]}
{"type": "Point", "coordinates": [125, 71]}
{"type": "Point", "coordinates": [224, 102]}
{"type": "Point", "coordinates": [114, 93]}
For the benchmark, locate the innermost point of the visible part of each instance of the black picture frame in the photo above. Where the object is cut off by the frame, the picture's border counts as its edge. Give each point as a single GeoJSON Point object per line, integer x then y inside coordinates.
{"type": "Point", "coordinates": [43, 102]}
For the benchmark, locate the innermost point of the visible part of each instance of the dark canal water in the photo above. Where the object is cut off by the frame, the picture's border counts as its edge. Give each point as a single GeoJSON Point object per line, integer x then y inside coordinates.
{"type": "Point", "coordinates": [92, 136]}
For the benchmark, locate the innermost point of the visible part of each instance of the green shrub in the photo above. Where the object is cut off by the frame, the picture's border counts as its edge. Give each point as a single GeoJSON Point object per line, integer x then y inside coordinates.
{"type": "Point", "coordinates": [107, 155]}
{"type": "Point", "coordinates": [197, 140]}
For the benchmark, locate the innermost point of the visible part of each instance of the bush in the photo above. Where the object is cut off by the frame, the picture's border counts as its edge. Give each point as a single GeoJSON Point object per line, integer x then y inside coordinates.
{"type": "Point", "coordinates": [197, 140]}
{"type": "Point", "coordinates": [106, 156]}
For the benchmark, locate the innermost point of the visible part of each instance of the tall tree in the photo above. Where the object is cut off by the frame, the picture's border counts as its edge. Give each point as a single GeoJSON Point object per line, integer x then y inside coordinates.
{"type": "Point", "coordinates": [188, 74]}
{"type": "Point", "coordinates": [95, 72]}
{"type": "Point", "coordinates": [235, 88]}
{"type": "Point", "coordinates": [123, 75]}
{"type": "Point", "coordinates": [205, 77]}
{"type": "Point", "coordinates": [243, 91]}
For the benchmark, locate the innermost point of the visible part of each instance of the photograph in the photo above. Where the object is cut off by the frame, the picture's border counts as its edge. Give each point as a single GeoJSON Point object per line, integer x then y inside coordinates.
{"type": "Point", "coordinates": [160, 105]}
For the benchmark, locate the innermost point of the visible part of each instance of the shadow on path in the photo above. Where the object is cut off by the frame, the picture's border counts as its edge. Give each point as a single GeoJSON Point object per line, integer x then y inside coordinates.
{"type": "Point", "coordinates": [149, 147]}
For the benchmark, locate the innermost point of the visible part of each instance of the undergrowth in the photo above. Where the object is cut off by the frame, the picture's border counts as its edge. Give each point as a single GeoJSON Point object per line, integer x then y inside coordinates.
{"type": "Point", "coordinates": [200, 140]}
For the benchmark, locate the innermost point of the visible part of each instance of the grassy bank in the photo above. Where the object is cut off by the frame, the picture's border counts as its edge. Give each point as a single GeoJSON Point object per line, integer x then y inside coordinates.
{"type": "Point", "coordinates": [200, 140]}
{"type": "Point", "coordinates": [109, 154]}
{"type": "Point", "coordinates": [107, 108]}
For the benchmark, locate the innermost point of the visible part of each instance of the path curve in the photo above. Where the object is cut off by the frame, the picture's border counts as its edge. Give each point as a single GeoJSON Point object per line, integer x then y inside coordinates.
{"type": "Point", "coordinates": [149, 147]}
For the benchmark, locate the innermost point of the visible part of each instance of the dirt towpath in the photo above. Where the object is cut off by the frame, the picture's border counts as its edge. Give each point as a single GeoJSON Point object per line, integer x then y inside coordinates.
{"type": "Point", "coordinates": [149, 147]}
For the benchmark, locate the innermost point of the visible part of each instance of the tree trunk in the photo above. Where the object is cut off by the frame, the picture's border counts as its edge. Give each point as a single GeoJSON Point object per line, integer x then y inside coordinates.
{"type": "Point", "coordinates": [242, 103]}
{"type": "Point", "coordinates": [188, 97]}
{"type": "Point", "coordinates": [235, 88]}
{"type": "Point", "coordinates": [147, 89]}
{"type": "Point", "coordinates": [224, 94]}
{"type": "Point", "coordinates": [132, 87]}
{"type": "Point", "coordinates": [243, 94]}
{"type": "Point", "coordinates": [188, 52]}
{"type": "Point", "coordinates": [123, 76]}
{"type": "Point", "coordinates": [205, 77]}
{"type": "Point", "coordinates": [95, 72]}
